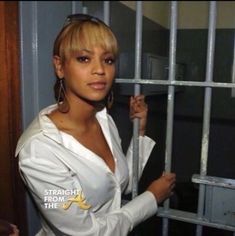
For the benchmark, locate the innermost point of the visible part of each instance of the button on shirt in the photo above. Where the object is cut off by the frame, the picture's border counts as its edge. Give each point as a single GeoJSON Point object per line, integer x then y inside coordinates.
{"type": "Point", "coordinates": [75, 191]}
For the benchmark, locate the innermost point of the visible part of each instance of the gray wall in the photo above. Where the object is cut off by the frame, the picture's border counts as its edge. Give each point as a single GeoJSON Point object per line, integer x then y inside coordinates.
{"type": "Point", "coordinates": [192, 46]}
{"type": "Point", "coordinates": [39, 24]}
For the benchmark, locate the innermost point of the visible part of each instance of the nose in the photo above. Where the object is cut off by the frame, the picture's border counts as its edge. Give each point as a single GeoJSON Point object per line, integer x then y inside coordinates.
{"type": "Point", "coordinates": [98, 67]}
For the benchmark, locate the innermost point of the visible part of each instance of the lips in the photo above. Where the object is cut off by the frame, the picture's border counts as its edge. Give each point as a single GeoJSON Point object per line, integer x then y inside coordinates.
{"type": "Point", "coordinates": [99, 85]}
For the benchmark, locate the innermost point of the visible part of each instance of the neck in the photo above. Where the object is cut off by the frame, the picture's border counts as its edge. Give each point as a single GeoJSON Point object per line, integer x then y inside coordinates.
{"type": "Point", "coordinates": [82, 113]}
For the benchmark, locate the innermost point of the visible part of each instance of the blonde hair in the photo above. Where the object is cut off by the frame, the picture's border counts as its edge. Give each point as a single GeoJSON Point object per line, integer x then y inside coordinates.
{"type": "Point", "coordinates": [75, 36]}
{"type": "Point", "coordinates": [80, 34]}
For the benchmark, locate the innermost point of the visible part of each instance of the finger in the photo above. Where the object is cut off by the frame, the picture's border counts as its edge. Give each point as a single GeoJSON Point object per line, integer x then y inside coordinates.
{"type": "Point", "coordinates": [140, 97]}
{"type": "Point", "coordinates": [139, 101]}
{"type": "Point", "coordinates": [131, 99]}
{"type": "Point", "coordinates": [170, 176]}
{"type": "Point", "coordinates": [131, 104]}
{"type": "Point", "coordinates": [170, 181]}
{"type": "Point", "coordinates": [140, 107]}
{"type": "Point", "coordinates": [140, 115]}
{"type": "Point", "coordinates": [173, 186]}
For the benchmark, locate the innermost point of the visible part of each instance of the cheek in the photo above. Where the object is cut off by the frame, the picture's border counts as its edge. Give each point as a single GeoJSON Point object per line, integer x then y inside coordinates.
{"type": "Point", "coordinates": [76, 77]}
{"type": "Point", "coordinates": [111, 73]}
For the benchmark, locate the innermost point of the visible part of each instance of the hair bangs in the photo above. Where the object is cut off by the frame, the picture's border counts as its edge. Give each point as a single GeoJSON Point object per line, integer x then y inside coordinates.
{"type": "Point", "coordinates": [89, 35]}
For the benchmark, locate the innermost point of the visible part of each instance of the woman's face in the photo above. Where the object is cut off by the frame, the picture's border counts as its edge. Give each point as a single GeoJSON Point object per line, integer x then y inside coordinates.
{"type": "Point", "coordinates": [88, 74]}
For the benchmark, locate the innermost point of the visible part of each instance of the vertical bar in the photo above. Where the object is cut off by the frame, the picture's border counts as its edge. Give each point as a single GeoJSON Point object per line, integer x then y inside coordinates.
{"type": "Point", "coordinates": [170, 104]}
{"type": "Point", "coordinates": [138, 48]}
{"type": "Point", "coordinates": [207, 110]}
{"type": "Point", "coordinates": [35, 55]}
{"type": "Point", "coordinates": [233, 67]}
{"type": "Point", "coordinates": [84, 10]}
{"type": "Point", "coordinates": [76, 6]}
{"type": "Point", "coordinates": [107, 12]}
{"type": "Point", "coordinates": [73, 7]}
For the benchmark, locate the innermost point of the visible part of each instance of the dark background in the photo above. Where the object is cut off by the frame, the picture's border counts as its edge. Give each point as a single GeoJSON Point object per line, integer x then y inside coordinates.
{"type": "Point", "coordinates": [188, 113]}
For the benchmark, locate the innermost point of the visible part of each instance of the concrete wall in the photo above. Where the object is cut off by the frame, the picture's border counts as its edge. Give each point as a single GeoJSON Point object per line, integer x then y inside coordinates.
{"type": "Point", "coordinates": [192, 14]}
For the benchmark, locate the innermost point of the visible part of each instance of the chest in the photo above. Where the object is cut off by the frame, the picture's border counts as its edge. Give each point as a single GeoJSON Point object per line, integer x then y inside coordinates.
{"type": "Point", "coordinates": [95, 141]}
{"type": "Point", "coordinates": [101, 186]}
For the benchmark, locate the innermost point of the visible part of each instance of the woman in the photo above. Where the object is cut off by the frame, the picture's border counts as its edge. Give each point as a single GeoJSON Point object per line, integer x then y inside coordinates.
{"type": "Point", "coordinates": [70, 157]}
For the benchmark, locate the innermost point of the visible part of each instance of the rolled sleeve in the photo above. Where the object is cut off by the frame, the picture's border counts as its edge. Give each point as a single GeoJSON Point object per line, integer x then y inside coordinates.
{"type": "Point", "coordinates": [141, 208]}
{"type": "Point", "coordinates": [146, 145]}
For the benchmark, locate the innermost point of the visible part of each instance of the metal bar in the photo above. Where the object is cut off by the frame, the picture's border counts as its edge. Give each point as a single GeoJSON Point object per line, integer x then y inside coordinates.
{"type": "Point", "coordinates": [138, 37]}
{"type": "Point", "coordinates": [84, 10]}
{"type": "Point", "coordinates": [138, 49]}
{"type": "Point", "coordinates": [76, 7]}
{"type": "Point", "coordinates": [176, 83]}
{"type": "Point", "coordinates": [233, 67]}
{"type": "Point", "coordinates": [107, 12]}
{"type": "Point", "coordinates": [214, 181]}
{"type": "Point", "coordinates": [190, 217]}
{"type": "Point", "coordinates": [35, 56]}
{"type": "Point", "coordinates": [207, 111]}
{"type": "Point", "coordinates": [73, 7]}
{"type": "Point", "coordinates": [170, 104]}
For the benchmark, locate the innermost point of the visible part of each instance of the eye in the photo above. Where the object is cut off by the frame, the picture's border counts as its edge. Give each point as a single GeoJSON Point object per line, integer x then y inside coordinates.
{"type": "Point", "coordinates": [83, 59]}
{"type": "Point", "coordinates": [109, 60]}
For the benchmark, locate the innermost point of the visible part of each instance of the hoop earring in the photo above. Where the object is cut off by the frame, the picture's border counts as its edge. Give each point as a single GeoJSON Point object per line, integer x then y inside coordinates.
{"type": "Point", "coordinates": [62, 102]}
{"type": "Point", "coordinates": [110, 100]}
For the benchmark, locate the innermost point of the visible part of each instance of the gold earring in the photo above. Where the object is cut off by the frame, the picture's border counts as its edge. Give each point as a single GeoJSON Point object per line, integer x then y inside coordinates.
{"type": "Point", "coordinates": [110, 100]}
{"type": "Point", "coordinates": [62, 102]}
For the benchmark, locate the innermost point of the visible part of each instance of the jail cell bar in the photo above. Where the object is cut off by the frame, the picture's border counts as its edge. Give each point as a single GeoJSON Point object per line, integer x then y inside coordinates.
{"type": "Point", "coordinates": [138, 49]}
{"type": "Point", "coordinates": [205, 182]}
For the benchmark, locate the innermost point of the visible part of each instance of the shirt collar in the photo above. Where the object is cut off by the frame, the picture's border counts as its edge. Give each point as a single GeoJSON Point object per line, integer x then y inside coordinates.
{"type": "Point", "coordinates": [42, 124]}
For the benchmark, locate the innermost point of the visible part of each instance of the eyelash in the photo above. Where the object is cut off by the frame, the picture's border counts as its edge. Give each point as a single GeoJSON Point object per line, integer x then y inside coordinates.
{"type": "Point", "coordinates": [109, 61]}
{"type": "Point", "coordinates": [85, 59]}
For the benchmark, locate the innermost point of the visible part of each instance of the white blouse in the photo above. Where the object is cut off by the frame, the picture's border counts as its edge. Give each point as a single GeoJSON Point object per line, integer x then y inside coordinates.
{"type": "Point", "coordinates": [75, 191]}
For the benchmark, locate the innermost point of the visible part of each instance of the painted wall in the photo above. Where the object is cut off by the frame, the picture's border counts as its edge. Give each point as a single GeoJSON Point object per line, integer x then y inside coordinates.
{"type": "Point", "coordinates": [156, 11]}
{"type": "Point", "coordinates": [191, 14]}
{"type": "Point", "coordinates": [39, 24]}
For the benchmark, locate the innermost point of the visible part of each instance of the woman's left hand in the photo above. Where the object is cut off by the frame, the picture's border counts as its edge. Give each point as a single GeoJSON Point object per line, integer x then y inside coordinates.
{"type": "Point", "coordinates": [139, 109]}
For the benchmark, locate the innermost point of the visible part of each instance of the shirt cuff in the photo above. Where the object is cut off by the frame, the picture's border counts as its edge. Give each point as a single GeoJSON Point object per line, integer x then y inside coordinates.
{"type": "Point", "coordinates": [146, 146]}
{"type": "Point", "coordinates": [141, 208]}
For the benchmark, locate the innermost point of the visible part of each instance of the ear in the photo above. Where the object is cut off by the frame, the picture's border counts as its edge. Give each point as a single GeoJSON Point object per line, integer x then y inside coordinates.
{"type": "Point", "coordinates": [58, 66]}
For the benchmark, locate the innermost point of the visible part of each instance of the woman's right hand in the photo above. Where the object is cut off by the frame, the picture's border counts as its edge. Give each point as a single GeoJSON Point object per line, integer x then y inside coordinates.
{"type": "Point", "coordinates": [162, 187]}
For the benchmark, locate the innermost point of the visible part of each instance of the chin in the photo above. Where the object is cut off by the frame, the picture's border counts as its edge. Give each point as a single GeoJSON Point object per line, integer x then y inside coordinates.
{"type": "Point", "coordinates": [98, 98]}
{"type": "Point", "coordinates": [95, 101]}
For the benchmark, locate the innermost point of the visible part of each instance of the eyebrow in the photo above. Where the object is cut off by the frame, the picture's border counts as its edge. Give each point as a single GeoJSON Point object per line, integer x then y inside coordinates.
{"type": "Point", "coordinates": [86, 50]}
{"type": "Point", "coordinates": [91, 52]}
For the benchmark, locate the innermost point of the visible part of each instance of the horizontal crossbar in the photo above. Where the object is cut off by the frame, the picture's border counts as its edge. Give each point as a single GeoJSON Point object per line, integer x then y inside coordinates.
{"type": "Point", "coordinates": [215, 181]}
{"type": "Point", "coordinates": [190, 217]}
{"type": "Point", "coordinates": [176, 83]}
